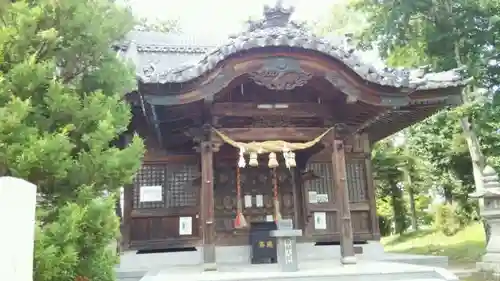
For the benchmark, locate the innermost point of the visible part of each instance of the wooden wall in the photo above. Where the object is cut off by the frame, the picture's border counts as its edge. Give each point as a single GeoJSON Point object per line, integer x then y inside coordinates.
{"type": "Point", "coordinates": [360, 190]}
{"type": "Point", "coordinates": [156, 225]}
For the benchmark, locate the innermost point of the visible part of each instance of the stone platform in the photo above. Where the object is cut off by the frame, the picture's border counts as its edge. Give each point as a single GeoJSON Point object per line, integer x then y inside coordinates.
{"type": "Point", "coordinates": [134, 266]}
{"type": "Point", "coordinates": [310, 271]}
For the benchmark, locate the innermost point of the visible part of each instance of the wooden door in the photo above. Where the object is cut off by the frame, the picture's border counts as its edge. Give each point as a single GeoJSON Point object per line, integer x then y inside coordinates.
{"type": "Point", "coordinates": [321, 208]}
{"type": "Point", "coordinates": [156, 225]}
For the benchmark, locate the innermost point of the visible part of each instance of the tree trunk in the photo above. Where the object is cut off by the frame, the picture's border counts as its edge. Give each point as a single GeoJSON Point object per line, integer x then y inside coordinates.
{"type": "Point", "coordinates": [411, 195]}
{"type": "Point", "coordinates": [413, 209]}
{"type": "Point", "coordinates": [478, 160]}
{"type": "Point", "coordinates": [398, 208]}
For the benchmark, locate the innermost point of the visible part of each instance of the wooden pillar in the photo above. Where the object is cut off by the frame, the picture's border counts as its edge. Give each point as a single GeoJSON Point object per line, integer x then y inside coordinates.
{"type": "Point", "coordinates": [207, 206]}
{"type": "Point", "coordinates": [128, 205]}
{"type": "Point", "coordinates": [342, 194]}
{"type": "Point", "coordinates": [128, 201]}
{"type": "Point", "coordinates": [371, 188]}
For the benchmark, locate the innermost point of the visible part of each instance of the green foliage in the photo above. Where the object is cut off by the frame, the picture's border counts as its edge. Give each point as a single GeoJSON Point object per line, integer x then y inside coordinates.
{"type": "Point", "coordinates": [62, 118]}
{"type": "Point", "coordinates": [164, 26]}
{"type": "Point", "coordinates": [447, 219]}
{"type": "Point", "coordinates": [385, 216]}
{"type": "Point", "coordinates": [444, 34]}
{"type": "Point", "coordinates": [77, 242]}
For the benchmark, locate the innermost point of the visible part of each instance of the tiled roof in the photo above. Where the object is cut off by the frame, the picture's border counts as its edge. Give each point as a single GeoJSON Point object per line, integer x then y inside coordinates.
{"type": "Point", "coordinates": [163, 58]}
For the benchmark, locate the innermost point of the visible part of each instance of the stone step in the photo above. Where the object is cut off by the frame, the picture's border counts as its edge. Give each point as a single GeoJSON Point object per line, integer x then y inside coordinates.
{"type": "Point", "coordinates": [130, 275]}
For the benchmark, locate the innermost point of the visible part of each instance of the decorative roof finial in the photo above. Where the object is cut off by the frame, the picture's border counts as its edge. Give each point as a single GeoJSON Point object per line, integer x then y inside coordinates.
{"type": "Point", "coordinates": [278, 15]}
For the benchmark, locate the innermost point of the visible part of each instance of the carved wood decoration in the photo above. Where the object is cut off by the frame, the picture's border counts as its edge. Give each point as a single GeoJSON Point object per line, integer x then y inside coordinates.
{"type": "Point", "coordinates": [280, 74]}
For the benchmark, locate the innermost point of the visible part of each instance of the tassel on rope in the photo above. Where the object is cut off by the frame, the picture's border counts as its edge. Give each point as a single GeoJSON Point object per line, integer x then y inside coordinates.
{"type": "Point", "coordinates": [277, 213]}
{"type": "Point", "coordinates": [240, 221]}
{"type": "Point", "coordinates": [253, 161]}
{"type": "Point", "coordinates": [273, 162]}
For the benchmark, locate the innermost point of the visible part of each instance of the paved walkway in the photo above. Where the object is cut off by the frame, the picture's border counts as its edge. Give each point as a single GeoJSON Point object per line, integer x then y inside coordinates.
{"type": "Point", "coordinates": [463, 271]}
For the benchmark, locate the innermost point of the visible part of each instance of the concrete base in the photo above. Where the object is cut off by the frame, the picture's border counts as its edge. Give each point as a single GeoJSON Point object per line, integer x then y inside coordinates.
{"type": "Point", "coordinates": [134, 266]}
{"type": "Point", "coordinates": [348, 260]}
{"type": "Point", "coordinates": [309, 271]}
{"type": "Point", "coordinates": [489, 267]}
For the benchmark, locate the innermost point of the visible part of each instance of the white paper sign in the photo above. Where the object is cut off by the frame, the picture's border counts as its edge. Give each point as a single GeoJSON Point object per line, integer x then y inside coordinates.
{"type": "Point", "coordinates": [248, 201]}
{"type": "Point", "coordinates": [259, 200]}
{"type": "Point", "coordinates": [185, 226]}
{"type": "Point", "coordinates": [319, 220]}
{"type": "Point", "coordinates": [151, 193]}
{"type": "Point", "coordinates": [312, 197]}
{"type": "Point", "coordinates": [269, 218]}
{"type": "Point", "coordinates": [322, 198]}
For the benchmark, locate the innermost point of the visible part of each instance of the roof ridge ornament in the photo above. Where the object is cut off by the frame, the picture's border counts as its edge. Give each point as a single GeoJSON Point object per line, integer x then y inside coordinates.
{"type": "Point", "coordinates": [275, 16]}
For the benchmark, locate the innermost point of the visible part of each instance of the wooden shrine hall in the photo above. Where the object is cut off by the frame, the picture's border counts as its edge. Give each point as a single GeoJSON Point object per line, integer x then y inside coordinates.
{"type": "Point", "coordinates": [272, 123]}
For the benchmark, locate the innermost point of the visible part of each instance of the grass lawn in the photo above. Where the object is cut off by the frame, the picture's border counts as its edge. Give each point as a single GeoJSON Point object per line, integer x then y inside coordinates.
{"type": "Point", "coordinates": [463, 249]}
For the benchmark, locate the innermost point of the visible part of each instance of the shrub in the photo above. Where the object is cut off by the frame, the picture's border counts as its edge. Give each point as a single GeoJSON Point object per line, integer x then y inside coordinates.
{"type": "Point", "coordinates": [76, 244]}
{"type": "Point", "coordinates": [384, 225]}
{"type": "Point", "coordinates": [447, 219]}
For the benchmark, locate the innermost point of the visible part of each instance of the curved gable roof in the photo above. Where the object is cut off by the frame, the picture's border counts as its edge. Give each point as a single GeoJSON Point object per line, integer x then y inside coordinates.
{"type": "Point", "coordinates": [180, 61]}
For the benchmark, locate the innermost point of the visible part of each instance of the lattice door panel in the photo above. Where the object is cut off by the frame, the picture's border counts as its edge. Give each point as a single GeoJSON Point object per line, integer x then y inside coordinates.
{"type": "Point", "coordinates": [321, 187]}
{"type": "Point", "coordinates": [356, 180]}
{"type": "Point", "coordinates": [180, 185]}
{"type": "Point", "coordinates": [149, 175]}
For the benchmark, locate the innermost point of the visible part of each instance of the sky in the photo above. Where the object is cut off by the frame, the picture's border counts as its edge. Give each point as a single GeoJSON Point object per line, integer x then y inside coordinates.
{"type": "Point", "coordinates": [223, 16]}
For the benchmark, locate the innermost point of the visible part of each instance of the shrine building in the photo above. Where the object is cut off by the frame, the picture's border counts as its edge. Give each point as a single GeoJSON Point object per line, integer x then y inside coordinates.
{"type": "Point", "coordinates": [272, 123]}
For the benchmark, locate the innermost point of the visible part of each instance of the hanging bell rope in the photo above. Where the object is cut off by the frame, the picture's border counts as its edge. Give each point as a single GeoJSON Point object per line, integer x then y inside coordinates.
{"type": "Point", "coordinates": [269, 146]}
{"type": "Point", "coordinates": [240, 221]}
{"type": "Point", "coordinates": [276, 201]}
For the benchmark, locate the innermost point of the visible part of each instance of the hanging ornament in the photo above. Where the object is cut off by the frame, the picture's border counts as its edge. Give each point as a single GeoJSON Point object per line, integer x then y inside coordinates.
{"type": "Point", "coordinates": [273, 163]}
{"type": "Point", "coordinates": [287, 159]}
{"type": "Point", "coordinates": [253, 162]}
{"type": "Point", "coordinates": [286, 155]}
{"type": "Point", "coordinates": [291, 159]}
{"type": "Point", "coordinates": [240, 221]}
{"type": "Point", "coordinates": [241, 161]}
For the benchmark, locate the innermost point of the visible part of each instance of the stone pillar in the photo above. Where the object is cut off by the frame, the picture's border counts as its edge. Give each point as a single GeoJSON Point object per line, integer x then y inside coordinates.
{"type": "Point", "coordinates": [490, 262]}
{"type": "Point", "coordinates": [286, 237]}
{"type": "Point", "coordinates": [17, 214]}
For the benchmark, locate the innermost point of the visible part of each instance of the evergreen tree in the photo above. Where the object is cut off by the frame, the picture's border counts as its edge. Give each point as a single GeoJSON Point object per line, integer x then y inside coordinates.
{"type": "Point", "coordinates": [62, 112]}
{"type": "Point", "coordinates": [62, 96]}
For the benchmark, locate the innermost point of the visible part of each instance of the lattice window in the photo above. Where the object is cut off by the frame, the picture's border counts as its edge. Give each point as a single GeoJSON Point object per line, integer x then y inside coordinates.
{"type": "Point", "coordinates": [323, 184]}
{"type": "Point", "coordinates": [356, 180]}
{"type": "Point", "coordinates": [182, 186]}
{"type": "Point", "coordinates": [149, 175]}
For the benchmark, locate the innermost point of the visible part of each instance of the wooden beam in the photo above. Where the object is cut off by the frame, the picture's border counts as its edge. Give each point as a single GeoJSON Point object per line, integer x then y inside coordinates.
{"type": "Point", "coordinates": [263, 134]}
{"type": "Point", "coordinates": [300, 110]}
